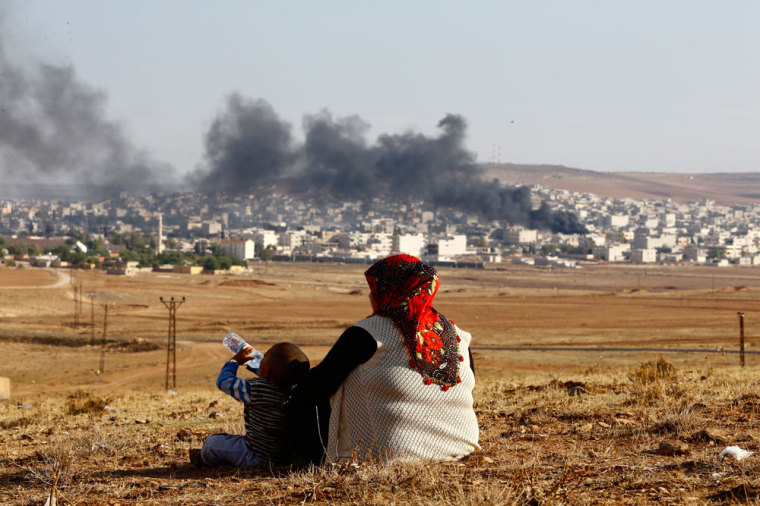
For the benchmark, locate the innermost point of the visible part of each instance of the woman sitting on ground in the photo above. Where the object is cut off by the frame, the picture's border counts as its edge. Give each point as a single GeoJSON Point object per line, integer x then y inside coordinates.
{"type": "Point", "coordinates": [397, 385]}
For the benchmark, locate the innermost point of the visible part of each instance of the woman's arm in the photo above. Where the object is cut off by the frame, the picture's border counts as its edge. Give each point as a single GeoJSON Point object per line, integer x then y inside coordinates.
{"type": "Point", "coordinates": [307, 409]}
{"type": "Point", "coordinates": [354, 347]}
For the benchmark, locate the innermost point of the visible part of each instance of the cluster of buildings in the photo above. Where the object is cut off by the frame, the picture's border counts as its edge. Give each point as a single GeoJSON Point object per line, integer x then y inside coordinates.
{"type": "Point", "coordinates": [270, 224]}
{"type": "Point", "coordinates": [665, 231]}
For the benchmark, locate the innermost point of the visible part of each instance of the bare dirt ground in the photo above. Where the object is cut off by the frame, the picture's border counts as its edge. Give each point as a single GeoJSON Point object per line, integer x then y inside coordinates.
{"type": "Point", "coordinates": [596, 306]}
{"type": "Point", "coordinates": [32, 278]}
{"type": "Point", "coordinates": [543, 439]}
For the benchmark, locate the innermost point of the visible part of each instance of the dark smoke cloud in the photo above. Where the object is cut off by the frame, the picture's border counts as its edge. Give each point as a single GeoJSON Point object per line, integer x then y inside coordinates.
{"type": "Point", "coordinates": [53, 129]}
{"type": "Point", "coordinates": [336, 155]}
{"type": "Point", "coordinates": [249, 144]}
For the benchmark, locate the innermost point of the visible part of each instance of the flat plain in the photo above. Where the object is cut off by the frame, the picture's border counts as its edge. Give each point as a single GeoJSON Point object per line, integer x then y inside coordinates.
{"type": "Point", "coordinates": [579, 384]}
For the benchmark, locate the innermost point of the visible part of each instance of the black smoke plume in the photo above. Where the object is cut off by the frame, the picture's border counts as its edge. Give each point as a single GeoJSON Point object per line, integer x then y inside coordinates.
{"type": "Point", "coordinates": [336, 156]}
{"type": "Point", "coordinates": [248, 144]}
{"type": "Point", "coordinates": [53, 129]}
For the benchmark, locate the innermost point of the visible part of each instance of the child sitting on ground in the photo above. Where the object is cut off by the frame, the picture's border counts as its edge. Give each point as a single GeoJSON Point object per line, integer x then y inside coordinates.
{"type": "Point", "coordinates": [265, 440]}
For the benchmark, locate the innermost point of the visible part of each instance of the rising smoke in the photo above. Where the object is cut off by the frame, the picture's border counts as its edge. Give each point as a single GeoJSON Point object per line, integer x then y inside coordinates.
{"type": "Point", "coordinates": [53, 129]}
{"type": "Point", "coordinates": [248, 144]}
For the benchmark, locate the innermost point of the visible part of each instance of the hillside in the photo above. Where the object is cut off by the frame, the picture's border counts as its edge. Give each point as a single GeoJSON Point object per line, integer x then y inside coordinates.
{"type": "Point", "coordinates": [574, 404]}
{"type": "Point", "coordinates": [723, 188]}
{"type": "Point", "coordinates": [647, 434]}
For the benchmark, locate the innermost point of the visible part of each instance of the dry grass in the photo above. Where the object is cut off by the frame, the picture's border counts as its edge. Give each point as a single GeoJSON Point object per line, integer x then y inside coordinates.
{"type": "Point", "coordinates": [556, 427]}
{"type": "Point", "coordinates": [541, 445]}
{"type": "Point", "coordinates": [82, 402]}
{"type": "Point", "coordinates": [656, 380]}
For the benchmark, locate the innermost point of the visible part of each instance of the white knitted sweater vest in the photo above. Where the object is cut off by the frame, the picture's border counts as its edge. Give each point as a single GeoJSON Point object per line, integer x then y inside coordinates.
{"type": "Point", "coordinates": [384, 410]}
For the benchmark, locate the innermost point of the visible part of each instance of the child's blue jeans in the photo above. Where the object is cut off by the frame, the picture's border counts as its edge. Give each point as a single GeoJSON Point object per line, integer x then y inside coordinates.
{"type": "Point", "coordinates": [227, 449]}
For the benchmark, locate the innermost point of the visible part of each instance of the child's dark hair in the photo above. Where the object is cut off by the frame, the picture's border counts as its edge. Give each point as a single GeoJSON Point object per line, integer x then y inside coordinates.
{"type": "Point", "coordinates": [288, 364]}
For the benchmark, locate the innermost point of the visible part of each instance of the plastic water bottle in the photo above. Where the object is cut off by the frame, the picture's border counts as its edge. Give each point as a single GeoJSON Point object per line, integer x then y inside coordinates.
{"type": "Point", "coordinates": [234, 343]}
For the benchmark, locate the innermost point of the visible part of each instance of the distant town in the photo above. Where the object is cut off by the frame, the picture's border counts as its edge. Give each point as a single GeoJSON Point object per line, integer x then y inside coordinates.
{"type": "Point", "coordinates": [193, 232]}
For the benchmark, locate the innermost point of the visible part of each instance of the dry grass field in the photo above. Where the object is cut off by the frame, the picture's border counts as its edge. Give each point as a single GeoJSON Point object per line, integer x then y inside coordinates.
{"type": "Point", "coordinates": [577, 421]}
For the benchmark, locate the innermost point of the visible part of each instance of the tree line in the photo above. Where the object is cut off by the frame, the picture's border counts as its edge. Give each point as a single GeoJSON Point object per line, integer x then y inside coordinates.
{"type": "Point", "coordinates": [132, 247]}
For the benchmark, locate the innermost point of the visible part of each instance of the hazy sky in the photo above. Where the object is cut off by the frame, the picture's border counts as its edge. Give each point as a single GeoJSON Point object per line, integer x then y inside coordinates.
{"type": "Point", "coordinates": [601, 85]}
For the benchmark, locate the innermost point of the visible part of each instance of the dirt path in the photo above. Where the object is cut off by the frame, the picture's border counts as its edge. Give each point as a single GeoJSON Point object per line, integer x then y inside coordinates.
{"type": "Point", "coordinates": [194, 360]}
{"type": "Point", "coordinates": [14, 280]}
{"type": "Point", "coordinates": [192, 357]}
{"type": "Point", "coordinates": [63, 279]}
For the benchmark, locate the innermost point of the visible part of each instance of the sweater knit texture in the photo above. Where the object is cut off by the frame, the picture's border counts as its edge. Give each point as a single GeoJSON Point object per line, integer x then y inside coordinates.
{"type": "Point", "coordinates": [384, 411]}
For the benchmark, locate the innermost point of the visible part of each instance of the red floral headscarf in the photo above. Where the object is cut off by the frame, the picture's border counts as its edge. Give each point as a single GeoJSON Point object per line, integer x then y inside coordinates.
{"type": "Point", "coordinates": [404, 288]}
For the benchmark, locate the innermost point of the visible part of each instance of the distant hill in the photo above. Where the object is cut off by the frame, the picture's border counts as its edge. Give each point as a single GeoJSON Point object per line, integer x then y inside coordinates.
{"type": "Point", "coordinates": [723, 188]}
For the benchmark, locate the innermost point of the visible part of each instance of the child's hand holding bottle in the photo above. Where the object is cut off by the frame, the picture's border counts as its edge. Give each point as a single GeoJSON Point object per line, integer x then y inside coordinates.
{"type": "Point", "coordinates": [245, 354]}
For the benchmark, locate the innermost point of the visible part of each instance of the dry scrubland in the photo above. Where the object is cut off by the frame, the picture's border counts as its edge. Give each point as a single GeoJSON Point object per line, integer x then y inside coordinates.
{"type": "Point", "coordinates": [557, 427]}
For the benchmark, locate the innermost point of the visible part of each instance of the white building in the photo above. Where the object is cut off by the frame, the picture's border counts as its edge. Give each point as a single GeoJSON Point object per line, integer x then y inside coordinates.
{"type": "Point", "coordinates": [411, 244]}
{"type": "Point", "coordinates": [611, 252]}
{"type": "Point", "coordinates": [553, 261]}
{"type": "Point", "coordinates": [266, 238]}
{"type": "Point", "coordinates": [448, 247]}
{"type": "Point", "coordinates": [651, 223]}
{"type": "Point", "coordinates": [380, 245]}
{"type": "Point", "coordinates": [520, 236]}
{"type": "Point", "coordinates": [43, 260]}
{"type": "Point", "coordinates": [292, 239]}
{"type": "Point", "coordinates": [642, 240]}
{"type": "Point", "coordinates": [643, 256]}
{"type": "Point", "coordinates": [243, 249]}
{"type": "Point", "coordinates": [617, 220]}
{"type": "Point", "coordinates": [211, 228]}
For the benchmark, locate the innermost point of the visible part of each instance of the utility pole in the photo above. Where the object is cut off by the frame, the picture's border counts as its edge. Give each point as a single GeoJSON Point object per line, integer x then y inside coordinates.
{"type": "Point", "coordinates": [741, 338]}
{"type": "Point", "coordinates": [75, 288]}
{"type": "Point", "coordinates": [102, 367]}
{"type": "Point", "coordinates": [78, 316]}
{"type": "Point", "coordinates": [92, 321]}
{"type": "Point", "coordinates": [79, 303]}
{"type": "Point", "coordinates": [171, 348]}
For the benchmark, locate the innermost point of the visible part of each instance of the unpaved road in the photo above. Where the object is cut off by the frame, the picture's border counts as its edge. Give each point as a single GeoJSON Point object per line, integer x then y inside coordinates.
{"type": "Point", "coordinates": [30, 279]}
